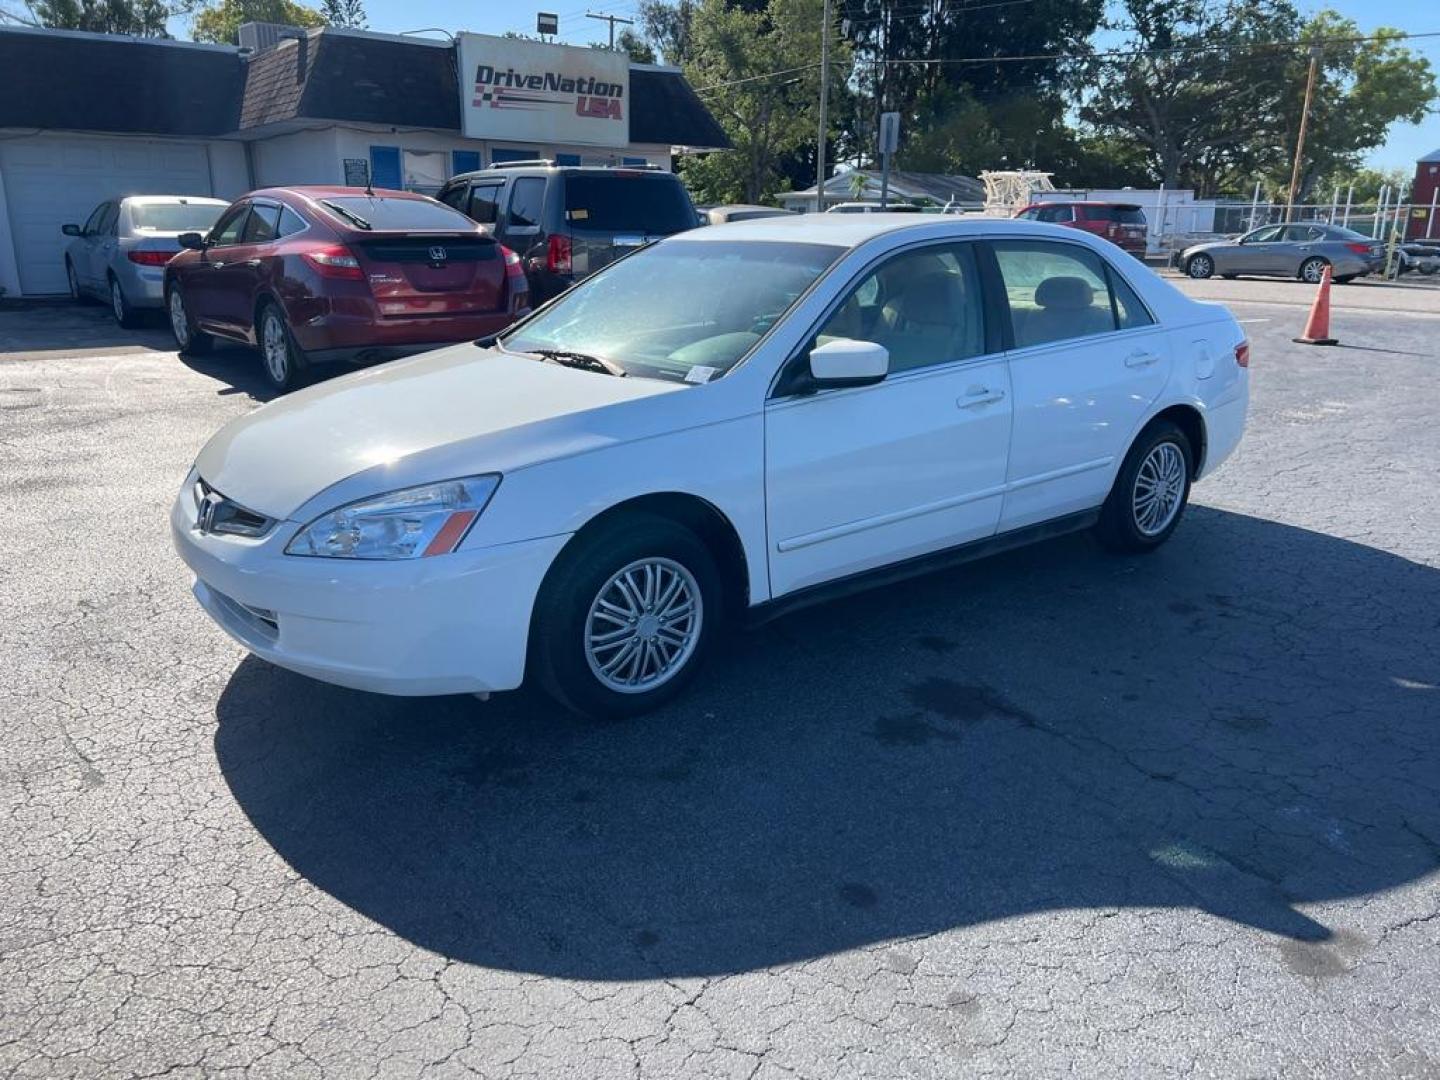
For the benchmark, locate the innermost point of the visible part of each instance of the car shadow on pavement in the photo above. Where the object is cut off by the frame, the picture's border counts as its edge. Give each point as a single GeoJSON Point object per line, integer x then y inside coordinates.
{"type": "Point", "coordinates": [235, 365]}
{"type": "Point", "coordinates": [1242, 723]}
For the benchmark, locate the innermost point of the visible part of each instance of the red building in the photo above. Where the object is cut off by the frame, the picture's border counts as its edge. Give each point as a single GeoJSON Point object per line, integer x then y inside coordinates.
{"type": "Point", "coordinates": [1422, 198]}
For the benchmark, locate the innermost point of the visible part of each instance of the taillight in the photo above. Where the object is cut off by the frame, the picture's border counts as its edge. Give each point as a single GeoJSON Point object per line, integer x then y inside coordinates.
{"type": "Point", "coordinates": [334, 261]}
{"type": "Point", "coordinates": [1359, 249]}
{"type": "Point", "coordinates": [1242, 354]}
{"type": "Point", "coordinates": [557, 255]}
{"type": "Point", "coordinates": [151, 258]}
{"type": "Point", "coordinates": [513, 269]}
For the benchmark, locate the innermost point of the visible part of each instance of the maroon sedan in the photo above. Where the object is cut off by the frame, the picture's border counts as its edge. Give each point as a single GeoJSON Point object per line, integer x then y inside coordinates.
{"type": "Point", "coordinates": [316, 274]}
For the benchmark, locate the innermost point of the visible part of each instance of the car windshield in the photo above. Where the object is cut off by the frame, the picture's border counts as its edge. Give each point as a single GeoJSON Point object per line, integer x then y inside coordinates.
{"type": "Point", "coordinates": [378, 212]}
{"type": "Point", "coordinates": [174, 217]}
{"type": "Point", "coordinates": [617, 202]}
{"type": "Point", "coordinates": [682, 309]}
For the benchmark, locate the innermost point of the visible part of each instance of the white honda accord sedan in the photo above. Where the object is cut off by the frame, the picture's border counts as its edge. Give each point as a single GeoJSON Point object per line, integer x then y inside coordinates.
{"type": "Point", "coordinates": [721, 426]}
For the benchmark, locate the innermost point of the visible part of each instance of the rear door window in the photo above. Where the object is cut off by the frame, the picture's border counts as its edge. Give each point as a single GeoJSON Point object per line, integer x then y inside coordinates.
{"type": "Point", "coordinates": [261, 226]}
{"type": "Point", "coordinates": [454, 196]}
{"type": "Point", "coordinates": [1055, 291]}
{"type": "Point", "coordinates": [619, 203]}
{"type": "Point", "coordinates": [527, 203]}
{"type": "Point", "coordinates": [485, 203]}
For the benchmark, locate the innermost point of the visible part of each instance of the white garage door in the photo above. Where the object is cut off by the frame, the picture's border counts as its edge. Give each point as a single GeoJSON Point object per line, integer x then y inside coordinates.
{"type": "Point", "coordinates": [52, 179]}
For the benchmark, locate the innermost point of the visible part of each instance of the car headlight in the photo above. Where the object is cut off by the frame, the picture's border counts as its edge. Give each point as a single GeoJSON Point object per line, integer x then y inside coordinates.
{"type": "Point", "coordinates": [407, 524]}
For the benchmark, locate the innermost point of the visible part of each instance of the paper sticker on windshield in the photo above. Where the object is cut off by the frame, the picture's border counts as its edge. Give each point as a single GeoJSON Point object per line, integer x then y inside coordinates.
{"type": "Point", "coordinates": [700, 374]}
{"type": "Point", "coordinates": [578, 215]}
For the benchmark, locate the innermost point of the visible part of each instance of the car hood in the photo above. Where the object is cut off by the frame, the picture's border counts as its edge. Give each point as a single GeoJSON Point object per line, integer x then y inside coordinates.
{"type": "Point", "coordinates": [480, 410]}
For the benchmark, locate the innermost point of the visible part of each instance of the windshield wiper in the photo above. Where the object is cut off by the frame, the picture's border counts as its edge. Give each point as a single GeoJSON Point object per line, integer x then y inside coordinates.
{"type": "Point", "coordinates": [567, 358]}
{"type": "Point", "coordinates": [349, 215]}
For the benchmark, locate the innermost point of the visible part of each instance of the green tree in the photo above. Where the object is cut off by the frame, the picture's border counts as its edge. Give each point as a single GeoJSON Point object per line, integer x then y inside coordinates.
{"type": "Point", "coordinates": [347, 13]}
{"type": "Point", "coordinates": [667, 26]}
{"type": "Point", "coordinates": [733, 59]}
{"type": "Point", "coordinates": [1211, 93]}
{"type": "Point", "coordinates": [1361, 89]}
{"type": "Point", "coordinates": [221, 23]}
{"type": "Point", "coordinates": [142, 18]}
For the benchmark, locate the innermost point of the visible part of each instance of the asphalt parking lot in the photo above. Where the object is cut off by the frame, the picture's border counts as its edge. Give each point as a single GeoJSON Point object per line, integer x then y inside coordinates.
{"type": "Point", "coordinates": [1056, 813]}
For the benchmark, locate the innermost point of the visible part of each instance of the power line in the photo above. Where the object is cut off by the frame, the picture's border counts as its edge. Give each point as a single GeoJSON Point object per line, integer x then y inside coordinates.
{"type": "Point", "coordinates": [1115, 54]}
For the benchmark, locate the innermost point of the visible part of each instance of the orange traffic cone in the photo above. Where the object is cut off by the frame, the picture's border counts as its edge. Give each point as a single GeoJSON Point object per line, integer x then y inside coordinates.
{"type": "Point", "coordinates": [1317, 327]}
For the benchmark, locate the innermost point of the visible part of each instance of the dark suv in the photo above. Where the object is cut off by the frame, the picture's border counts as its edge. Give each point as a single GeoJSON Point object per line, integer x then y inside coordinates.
{"type": "Point", "coordinates": [566, 222]}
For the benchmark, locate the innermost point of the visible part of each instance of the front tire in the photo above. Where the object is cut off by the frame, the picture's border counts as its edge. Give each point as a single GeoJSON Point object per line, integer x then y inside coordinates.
{"type": "Point", "coordinates": [282, 359]}
{"type": "Point", "coordinates": [73, 280]}
{"type": "Point", "coordinates": [189, 341]}
{"type": "Point", "coordinates": [1200, 267]}
{"type": "Point", "coordinates": [1151, 491]}
{"type": "Point", "coordinates": [120, 307]}
{"type": "Point", "coordinates": [625, 619]}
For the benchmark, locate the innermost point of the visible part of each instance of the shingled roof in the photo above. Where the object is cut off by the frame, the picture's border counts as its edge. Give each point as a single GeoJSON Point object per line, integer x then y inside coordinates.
{"type": "Point", "coordinates": [98, 82]}
{"type": "Point", "coordinates": [360, 78]}
{"type": "Point", "coordinates": [57, 79]}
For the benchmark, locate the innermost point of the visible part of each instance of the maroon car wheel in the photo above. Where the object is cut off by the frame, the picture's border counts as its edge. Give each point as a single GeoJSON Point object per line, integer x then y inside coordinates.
{"type": "Point", "coordinates": [282, 359]}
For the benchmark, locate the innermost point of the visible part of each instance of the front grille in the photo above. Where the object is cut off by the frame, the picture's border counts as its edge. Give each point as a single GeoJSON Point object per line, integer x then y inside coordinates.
{"type": "Point", "coordinates": [214, 513]}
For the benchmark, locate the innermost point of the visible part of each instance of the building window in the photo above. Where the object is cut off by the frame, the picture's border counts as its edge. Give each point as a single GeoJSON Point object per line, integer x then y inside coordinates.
{"type": "Point", "coordinates": [463, 161]}
{"type": "Point", "coordinates": [425, 171]}
{"type": "Point", "coordinates": [385, 167]}
{"type": "Point", "coordinates": [567, 159]}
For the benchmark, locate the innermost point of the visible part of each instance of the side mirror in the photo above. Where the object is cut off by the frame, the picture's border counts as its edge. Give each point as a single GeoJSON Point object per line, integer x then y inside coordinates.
{"type": "Point", "coordinates": [846, 362]}
{"type": "Point", "coordinates": [192, 240]}
{"type": "Point", "coordinates": [70, 230]}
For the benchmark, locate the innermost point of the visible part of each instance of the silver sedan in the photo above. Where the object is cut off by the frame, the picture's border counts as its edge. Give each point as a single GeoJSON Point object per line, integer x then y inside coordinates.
{"type": "Point", "coordinates": [1294, 251]}
{"type": "Point", "coordinates": [119, 254]}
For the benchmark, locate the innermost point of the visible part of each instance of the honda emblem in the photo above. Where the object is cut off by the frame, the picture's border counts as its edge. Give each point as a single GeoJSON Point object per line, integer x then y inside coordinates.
{"type": "Point", "coordinates": [205, 520]}
{"type": "Point", "coordinates": [437, 254]}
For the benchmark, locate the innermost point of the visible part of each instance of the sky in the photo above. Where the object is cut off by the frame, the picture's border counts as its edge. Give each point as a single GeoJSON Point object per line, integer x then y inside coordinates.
{"type": "Point", "coordinates": [1405, 144]}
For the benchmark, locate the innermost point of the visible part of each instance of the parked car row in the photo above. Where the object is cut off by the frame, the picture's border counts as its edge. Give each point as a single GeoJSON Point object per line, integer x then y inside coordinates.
{"type": "Point", "coordinates": [313, 275]}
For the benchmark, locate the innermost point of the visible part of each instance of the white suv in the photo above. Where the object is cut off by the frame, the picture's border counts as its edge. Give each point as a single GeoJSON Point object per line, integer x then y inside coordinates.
{"type": "Point", "coordinates": [726, 424]}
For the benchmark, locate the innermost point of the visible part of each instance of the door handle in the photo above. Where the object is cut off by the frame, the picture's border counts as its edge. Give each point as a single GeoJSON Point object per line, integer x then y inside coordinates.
{"type": "Point", "coordinates": [1140, 358]}
{"type": "Point", "coordinates": [980, 395]}
{"type": "Point", "coordinates": [252, 263]}
{"type": "Point", "coordinates": [216, 265]}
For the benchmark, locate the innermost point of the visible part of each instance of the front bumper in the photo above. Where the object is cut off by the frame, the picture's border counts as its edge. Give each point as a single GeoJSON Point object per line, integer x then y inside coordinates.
{"type": "Point", "coordinates": [450, 624]}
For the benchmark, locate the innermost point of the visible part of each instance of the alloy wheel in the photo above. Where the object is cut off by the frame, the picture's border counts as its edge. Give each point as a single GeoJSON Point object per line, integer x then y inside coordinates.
{"type": "Point", "coordinates": [276, 349]}
{"type": "Point", "coordinates": [179, 323]}
{"type": "Point", "coordinates": [1313, 271]}
{"type": "Point", "coordinates": [644, 625]}
{"type": "Point", "coordinates": [1201, 266]}
{"type": "Point", "coordinates": [1159, 489]}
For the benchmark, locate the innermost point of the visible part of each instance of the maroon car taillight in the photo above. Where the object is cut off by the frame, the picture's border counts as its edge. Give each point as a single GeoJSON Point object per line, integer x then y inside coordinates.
{"type": "Point", "coordinates": [151, 258]}
{"type": "Point", "coordinates": [557, 255]}
{"type": "Point", "coordinates": [334, 261]}
{"type": "Point", "coordinates": [1242, 354]}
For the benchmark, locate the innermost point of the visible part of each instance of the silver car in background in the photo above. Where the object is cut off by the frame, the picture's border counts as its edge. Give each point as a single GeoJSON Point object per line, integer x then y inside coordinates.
{"type": "Point", "coordinates": [1300, 250]}
{"type": "Point", "coordinates": [119, 254]}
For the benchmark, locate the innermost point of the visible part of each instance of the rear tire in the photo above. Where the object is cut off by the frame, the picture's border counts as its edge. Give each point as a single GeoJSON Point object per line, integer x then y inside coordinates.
{"type": "Point", "coordinates": [1312, 270]}
{"type": "Point", "coordinates": [1151, 491]}
{"type": "Point", "coordinates": [188, 340]}
{"type": "Point", "coordinates": [120, 307]}
{"type": "Point", "coordinates": [282, 360]}
{"type": "Point", "coordinates": [1200, 267]}
{"type": "Point", "coordinates": [625, 619]}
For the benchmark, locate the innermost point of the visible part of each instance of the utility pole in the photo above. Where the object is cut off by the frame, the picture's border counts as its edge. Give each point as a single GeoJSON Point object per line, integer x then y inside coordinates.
{"type": "Point", "coordinates": [612, 20]}
{"type": "Point", "coordinates": [1304, 122]}
{"type": "Point", "coordinates": [824, 104]}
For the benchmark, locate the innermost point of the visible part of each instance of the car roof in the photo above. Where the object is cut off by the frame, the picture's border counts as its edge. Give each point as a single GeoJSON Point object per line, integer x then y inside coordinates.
{"type": "Point", "coordinates": [852, 230]}
{"type": "Point", "coordinates": [330, 191]}
{"type": "Point", "coordinates": [154, 200]}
